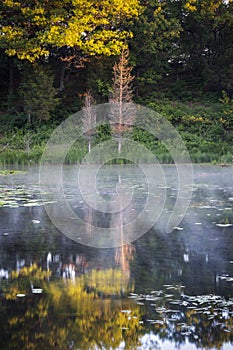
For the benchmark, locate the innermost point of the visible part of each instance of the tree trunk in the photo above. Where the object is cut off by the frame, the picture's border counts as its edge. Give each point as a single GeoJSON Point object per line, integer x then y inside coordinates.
{"type": "Point", "coordinates": [29, 118]}
{"type": "Point", "coordinates": [11, 83]}
{"type": "Point", "coordinates": [62, 77]}
{"type": "Point", "coordinates": [11, 76]}
{"type": "Point", "coordinates": [119, 143]}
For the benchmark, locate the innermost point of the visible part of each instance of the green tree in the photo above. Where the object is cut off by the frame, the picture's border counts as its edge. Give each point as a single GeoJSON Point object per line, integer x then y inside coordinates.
{"type": "Point", "coordinates": [153, 43]}
{"type": "Point", "coordinates": [38, 93]}
{"type": "Point", "coordinates": [205, 48]}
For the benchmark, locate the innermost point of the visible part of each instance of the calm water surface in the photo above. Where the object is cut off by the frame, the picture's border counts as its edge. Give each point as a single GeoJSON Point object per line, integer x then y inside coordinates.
{"type": "Point", "coordinates": [162, 291]}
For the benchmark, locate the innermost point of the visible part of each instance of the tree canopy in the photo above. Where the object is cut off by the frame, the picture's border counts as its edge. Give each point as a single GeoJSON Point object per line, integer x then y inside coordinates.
{"type": "Point", "coordinates": [33, 29]}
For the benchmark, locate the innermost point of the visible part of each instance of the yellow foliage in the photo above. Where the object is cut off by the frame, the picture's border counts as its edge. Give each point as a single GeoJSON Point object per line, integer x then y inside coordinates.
{"type": "Point", "coordinates": [13, 321]}
{"type": "Point", "coordinates": [195, 119]}
{"type": "Point", "coordinates": [222, 121]}
{"type": "Point", "coordinates": [191, 6]}
{"type": "Point", "coordinates": [11, 3]}
{"type": "Point", "coordinates": [92, 26]}
{"type": "Point", "coordinates": [158, 10]}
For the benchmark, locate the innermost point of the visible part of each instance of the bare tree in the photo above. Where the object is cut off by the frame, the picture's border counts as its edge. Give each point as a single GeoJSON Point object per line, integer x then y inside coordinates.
{"type": "Point", "coordinates": [122, 114]}
{"type": "Point", "coordinates": [88, 118]}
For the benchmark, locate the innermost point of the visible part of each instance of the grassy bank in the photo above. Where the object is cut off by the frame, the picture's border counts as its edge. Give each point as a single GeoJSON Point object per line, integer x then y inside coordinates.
{"type": "Point", "coordinates": [205, 126]}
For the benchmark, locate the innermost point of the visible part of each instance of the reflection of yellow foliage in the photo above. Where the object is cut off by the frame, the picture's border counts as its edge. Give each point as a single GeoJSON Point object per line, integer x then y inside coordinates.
{"type": "Point", "coordinates": [108, 282]}
{"type": "Point", "coordinates": [20, 281]}
{"type": "Point", "coordinates": [32, 271]}
{"type": "Point", "coordinates": [97, 320]}
{"type": "Point", "coordinates": [99, 317]}
{"type": "Point", "coordinates": [96, 283]}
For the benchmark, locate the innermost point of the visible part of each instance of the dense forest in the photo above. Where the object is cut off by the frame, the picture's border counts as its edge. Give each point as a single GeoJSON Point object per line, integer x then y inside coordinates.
{"type": "Point", "coordinates": [54, 53]}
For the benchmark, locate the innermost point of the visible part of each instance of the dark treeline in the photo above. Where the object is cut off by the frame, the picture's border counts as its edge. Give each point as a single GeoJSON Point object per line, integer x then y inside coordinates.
{"type": "Point", "coordinates": [181, 54]}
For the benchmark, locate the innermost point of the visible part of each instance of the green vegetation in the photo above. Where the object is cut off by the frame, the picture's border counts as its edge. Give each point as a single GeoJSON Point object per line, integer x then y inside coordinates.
{"type": "Point", "coordinates": [11, 172]}
{"type": "Point", "coordinates": [180, 55]}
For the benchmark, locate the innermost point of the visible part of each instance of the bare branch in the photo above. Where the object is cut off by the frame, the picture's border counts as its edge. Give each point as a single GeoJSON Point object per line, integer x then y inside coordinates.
{"type": "Point", "coordinates": [88, 117]}
{"type": "Point", "coordinates": [122, 110]}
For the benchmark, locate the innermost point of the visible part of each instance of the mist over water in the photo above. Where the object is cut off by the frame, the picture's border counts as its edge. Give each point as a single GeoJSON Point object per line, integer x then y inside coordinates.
{"type": "Point", "coordinates": [157, 278]}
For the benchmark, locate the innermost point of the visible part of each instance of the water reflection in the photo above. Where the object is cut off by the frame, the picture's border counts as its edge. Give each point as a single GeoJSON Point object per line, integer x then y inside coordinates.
{"type": "Point", "coordinates": [92, 312]}
{"type": "Point", "coordinates": [173, 289]}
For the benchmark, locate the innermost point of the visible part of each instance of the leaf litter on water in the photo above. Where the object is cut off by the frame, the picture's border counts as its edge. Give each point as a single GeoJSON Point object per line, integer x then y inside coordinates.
{"type": "Point", "coordinates": [174, 311]}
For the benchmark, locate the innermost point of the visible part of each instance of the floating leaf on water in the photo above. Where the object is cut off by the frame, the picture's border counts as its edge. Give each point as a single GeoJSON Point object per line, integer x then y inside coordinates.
{"type": "Point", "coordinates": [224, 225]}
{"type": "Point", "coordinates": [185, 333]}
{"type": "Point", "coordinates": [175, 302]}
{"type": "Point", "coordinates": [126, 311]}
{"type": "Point", "coordinates": [37, 290]}
{"type": "Point", "coordinates": [160, 309]}
{"type": "Point", "coordinates": [184, 303]}
{"type": "Point", "coordinates": [159, 322]}
{"type": "Point", "coordinates": [32, 204]}
{"type": "Point", "coordinates": [35, 221]}
{"type": "Point", "coordinates": [229, 279]}
{"type": "Point", "coordinates": [152, 298]}
{"type": "Point", "coordinates": [172, 311]}
{"type": "Point", "coordinates": [211, 317]}
{"type": "Point", "coordinates": [206, 207]}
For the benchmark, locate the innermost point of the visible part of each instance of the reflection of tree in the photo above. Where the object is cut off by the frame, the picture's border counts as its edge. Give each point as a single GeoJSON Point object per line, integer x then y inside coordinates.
{"type": "Point", "coordinates": [71, 314]}
{"type": "Point", "coordinates": [123, 253]}
{"type": "Point", "coordinates": [123, 256]}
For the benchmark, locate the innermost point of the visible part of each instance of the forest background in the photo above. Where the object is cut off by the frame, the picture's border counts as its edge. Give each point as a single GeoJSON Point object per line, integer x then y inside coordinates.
{"type": "Point", "coordinates": [54, 53]}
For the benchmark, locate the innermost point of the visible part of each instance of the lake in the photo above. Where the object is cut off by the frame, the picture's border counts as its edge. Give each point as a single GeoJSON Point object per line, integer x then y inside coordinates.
{"type": "Point", "coordinates": [160, 290]}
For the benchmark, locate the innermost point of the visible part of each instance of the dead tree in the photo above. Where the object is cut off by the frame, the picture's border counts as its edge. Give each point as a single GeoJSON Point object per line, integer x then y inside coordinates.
{"type": "Point", "coordinates": [122, 113]}
{"type": "Point", "coordinates": [88, 118]}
